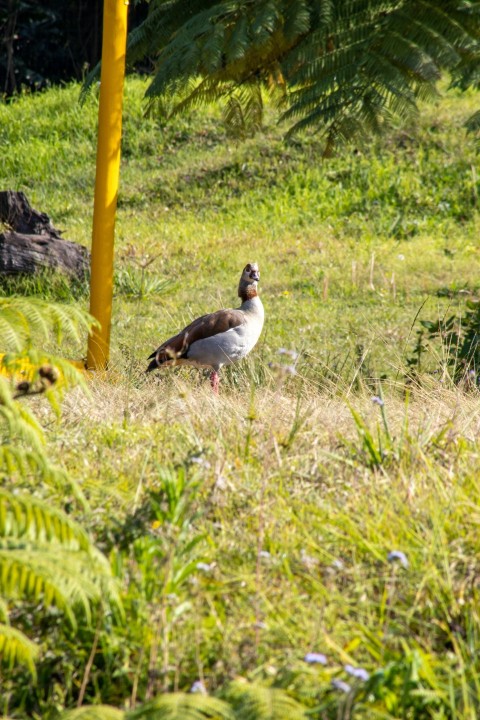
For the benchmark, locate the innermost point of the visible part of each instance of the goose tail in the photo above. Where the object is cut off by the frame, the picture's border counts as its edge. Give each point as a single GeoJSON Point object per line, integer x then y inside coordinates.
{"type": "Point", "coordinates": [153, 365]}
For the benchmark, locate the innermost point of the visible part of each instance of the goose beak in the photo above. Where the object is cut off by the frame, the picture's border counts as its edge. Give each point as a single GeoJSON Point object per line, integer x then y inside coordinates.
{"type": "Point", "coordinates": [255, 275]}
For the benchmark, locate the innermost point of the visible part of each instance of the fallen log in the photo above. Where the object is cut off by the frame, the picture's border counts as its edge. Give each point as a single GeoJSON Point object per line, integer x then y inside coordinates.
{"type": "Point", "coordinates": [30, 242]}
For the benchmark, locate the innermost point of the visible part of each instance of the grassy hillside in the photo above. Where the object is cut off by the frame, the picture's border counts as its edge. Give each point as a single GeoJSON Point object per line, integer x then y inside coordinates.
{"type": "Point", "coordinates": [350, 248]}
{"type": "Point", "coordinates": [251, 529]}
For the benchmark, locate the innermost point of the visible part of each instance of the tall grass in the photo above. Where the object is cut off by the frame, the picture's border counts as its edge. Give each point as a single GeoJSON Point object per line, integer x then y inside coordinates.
{"type": "Point", "coordinates": [326, 502]}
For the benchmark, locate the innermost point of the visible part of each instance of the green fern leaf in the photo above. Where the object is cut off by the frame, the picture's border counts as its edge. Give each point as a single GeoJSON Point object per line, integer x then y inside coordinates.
{"type": "Point", "coordinates": [252, 701]}
{"type": "Point", "coordinates": [349, 67]}
{"type": "Point", "coordinates": [17, 649]}
{"type": "Point", "coordinates": [23, 516]}
{"type": "Point", "coordinates": [97, 712]}
{"type": "Point", "coordinates": [473, 123]}
{"type": "Point", "coordinates": [183, 706]}
{"type": "Point", "coordinates": [44, 555]}
{"type": "Point", "coordinates": [23, 318]}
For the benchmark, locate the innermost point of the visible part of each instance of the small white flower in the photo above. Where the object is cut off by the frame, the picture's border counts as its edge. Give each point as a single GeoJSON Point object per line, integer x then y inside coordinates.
{"type": "Point", "coordinates": [198, 687]}
{"type": "Point", "coordinates": [199, 460]}
{"type": "Point", "coordinates": [290, 353]}
{"type": "Point", "coordinates": [341, 685]}
{"type": "Point", "coordinates": [309, 561]}
{"type": "Point", "coordinates": [221, 483]}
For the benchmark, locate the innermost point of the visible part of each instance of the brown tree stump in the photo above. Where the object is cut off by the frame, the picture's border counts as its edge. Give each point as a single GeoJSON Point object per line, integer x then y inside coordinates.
{"type": "Point", "coordinates": [31, 242]}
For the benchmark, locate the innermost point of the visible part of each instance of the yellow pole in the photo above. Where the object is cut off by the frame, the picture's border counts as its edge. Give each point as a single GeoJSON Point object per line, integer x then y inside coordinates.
{"type": "Point", "coordinates": [107, 177]}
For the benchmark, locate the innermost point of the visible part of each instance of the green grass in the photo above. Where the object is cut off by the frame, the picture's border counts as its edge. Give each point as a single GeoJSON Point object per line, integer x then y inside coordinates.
{"type": "Point", "coordinates": [290, 490]}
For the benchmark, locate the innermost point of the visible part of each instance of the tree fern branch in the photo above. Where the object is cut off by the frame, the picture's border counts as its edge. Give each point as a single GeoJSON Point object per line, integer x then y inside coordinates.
{"type": "Point", "coordinates": [17, 649]}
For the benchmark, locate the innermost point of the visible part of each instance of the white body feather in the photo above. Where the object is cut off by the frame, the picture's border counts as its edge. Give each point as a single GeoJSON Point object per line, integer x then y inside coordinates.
{"type": "Point", "coordinates": [232, 345]}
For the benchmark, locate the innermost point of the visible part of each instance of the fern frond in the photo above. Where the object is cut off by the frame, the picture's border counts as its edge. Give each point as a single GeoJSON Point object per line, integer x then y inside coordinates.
{"type": "Point", "coordinates": [31, 519]}
{"type": "Point", "coordinates": [18, 422]}
{"type": "Point", "coordinates": [244, 110]}
{"type": "Point", "coordinates": [71, 581]}
{"type": "Point", "coordinates": [97, 712]}
{"type": "Point", "coordinates": [22, 318]}
{"type": "Point", "coordinates": [183, 706]}
{"type": "Point", "coordinates": [19, 461]}
{"type": "Point", "coordinates": [195, 94]}
{"type": "Point", "coordinates": [4, 611]}
{"type": "Point", "coordinates": [46, 555]}
{"type": "Point", "coordinates": [17, 649]}
{"type": "Point", "coordinates": [473, 122]}
{"type": "Point", "coordinates": [26, 366]}
{"type": "Point", "coordinates": [162, 21]}
{"type": "Point", "coordinates": [349, 67]}
{"type": "Point", "coordinates": [252, 701]}
{"type": "Point", "coordinates": [22, 451]}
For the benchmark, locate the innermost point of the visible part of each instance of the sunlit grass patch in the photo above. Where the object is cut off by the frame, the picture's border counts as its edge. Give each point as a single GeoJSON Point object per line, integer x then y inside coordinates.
{"type": "Point", "coordinates": [325, 504]}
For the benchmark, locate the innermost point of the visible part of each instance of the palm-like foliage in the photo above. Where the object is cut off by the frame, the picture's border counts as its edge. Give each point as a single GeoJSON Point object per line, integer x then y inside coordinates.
{"type": "Point", "coordinates": [253, 701]}
{"type": "Point", "coordinates": [23, 320]}
{"type": "Point", "coordinates": [184, 706]}
{"type": "Point", "coordinates": [45, 557]}
{"type": "Point", "coordinates": [343, 66]}
{"type": "Point", "coordinates": [24, 370]}
{"type": "Point", "coordinates": [16, 648]}
{"type": "Point", "coordinates": [241, 701]}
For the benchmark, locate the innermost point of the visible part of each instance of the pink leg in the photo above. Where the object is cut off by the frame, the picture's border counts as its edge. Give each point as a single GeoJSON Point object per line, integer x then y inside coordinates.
{"type": "Point", "coordinates": [214, 381]}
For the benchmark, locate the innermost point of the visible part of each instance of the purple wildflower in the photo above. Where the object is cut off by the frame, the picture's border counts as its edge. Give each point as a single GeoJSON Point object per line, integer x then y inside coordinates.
{"type": "Point", "coordinates": [313, 657]}
{"type": "Point", "coordinates": [341, 685]}
{"type": "Point", "coordinates": [398, 556]}
{"type": "Point", "coordinates": [359, 673]}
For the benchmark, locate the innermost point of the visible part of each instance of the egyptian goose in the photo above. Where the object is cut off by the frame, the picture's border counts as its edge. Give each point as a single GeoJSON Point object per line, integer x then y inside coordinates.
{"type": "Point", "coordinates": [220, 338]}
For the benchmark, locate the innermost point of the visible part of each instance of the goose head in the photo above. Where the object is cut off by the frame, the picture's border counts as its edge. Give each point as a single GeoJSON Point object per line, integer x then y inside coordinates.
{"type": "Point", "coordinates": [247, 287]}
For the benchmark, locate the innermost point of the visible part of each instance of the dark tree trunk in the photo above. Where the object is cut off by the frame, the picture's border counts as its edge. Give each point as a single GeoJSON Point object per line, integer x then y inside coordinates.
{"type": "Point", "coordinates": [31, 242]}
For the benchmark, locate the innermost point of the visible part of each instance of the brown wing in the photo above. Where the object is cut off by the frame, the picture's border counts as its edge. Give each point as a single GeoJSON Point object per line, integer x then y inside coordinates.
{"type": "Point", "coordinates": [203, 327]}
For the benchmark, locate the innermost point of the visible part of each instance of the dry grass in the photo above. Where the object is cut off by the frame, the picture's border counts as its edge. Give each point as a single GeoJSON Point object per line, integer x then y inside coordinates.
{"type": "Point", "coordinates": [299, 523]}
{"type": "Point", "coordinates": [292, 488]}
{"type": "Point", "coordinates": [188, 399]}
{"type": "Point", "coordinates": [297, 432]}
